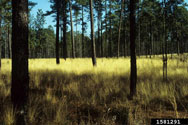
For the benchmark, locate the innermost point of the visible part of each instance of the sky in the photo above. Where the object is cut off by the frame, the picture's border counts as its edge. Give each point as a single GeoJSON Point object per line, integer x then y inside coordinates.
{"type": "Point", "coordinates": [45, 6]}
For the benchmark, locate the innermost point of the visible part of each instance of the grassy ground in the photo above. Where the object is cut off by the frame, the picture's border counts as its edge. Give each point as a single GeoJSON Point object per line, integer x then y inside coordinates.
{"type": "Point", "coordinates": [76, 93]}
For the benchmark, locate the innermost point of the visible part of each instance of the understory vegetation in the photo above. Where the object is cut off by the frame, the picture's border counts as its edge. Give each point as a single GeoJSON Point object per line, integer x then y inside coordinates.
{"type": "Point", "coordinates": [75, 92]}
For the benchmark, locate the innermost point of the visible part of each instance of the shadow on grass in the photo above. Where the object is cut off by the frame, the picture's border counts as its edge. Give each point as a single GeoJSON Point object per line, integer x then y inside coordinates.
{"type": "Point", "coordinates": [83, 98]}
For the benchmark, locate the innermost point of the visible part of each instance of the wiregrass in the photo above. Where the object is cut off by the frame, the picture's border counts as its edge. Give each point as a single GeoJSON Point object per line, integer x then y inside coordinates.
{"type": "Point", "coordinates": [75, 92]}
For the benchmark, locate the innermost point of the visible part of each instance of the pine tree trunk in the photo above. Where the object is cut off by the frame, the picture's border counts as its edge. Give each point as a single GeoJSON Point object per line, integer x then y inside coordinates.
{"type": "Point", "coordinates": [125, 40]}
{"type": "Point", "coordinates": [61, 43]}
{"type": "Point", "coordinates": [83, 31]}
{"type": "Point", "coordinates": [0, 41]}
{"type": "Point", "coordinates": [72, 32]}
{"type": "Point", "coordinates": [110, 41]}
{"type": "Point", "coordinates": [165, 43]}
{"type": "Point", "coordinates": [57, 35]}
{"type": "Point", "coordinates": [98, 33]}
{"type": "Point", "coordinates": [150, 51]}
{"type": "Point", "coordinates": [101, 40]}
{"type": "Point", "coordinates": [171, 41]}
{"type": "Point", "coordinates": [5, 48]}
{"type": "Point", "coordinates": [92, 34]}
{"type": "Point", "coordinates": [76, 40]}
{"type": "Point", "coordinates": [20, 76]}
{"type": "Point", "coordinates": [133, 75]}
{"type": "Point", "coordinates": [106, 34]}
{"type": "Point", "coordinates": [119, 29]}
{"type": "Point", "coordinates": [64, 30]}
{"type": "Point", "coordinates": [178, 43]}
{"type": "Point", "coordinates": [139, 29]}
{"type": "Point", "coordinates": [153, 45]}
{"type": "Point", "coordinates": [9, 43]}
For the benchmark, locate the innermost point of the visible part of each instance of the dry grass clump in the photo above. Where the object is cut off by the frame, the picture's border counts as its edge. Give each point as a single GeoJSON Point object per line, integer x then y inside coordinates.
{"type": "Point", "coordinates": [76, 93]}
{"type": "Point", "coordinates": [9, 116]}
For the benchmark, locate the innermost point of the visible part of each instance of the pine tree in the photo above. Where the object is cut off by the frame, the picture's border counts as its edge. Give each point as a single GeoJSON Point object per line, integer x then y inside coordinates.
{"type": "Point", "coordinates": [133, 74]}
{"type": "Point", "coordinates": [20, 76]}
{"type": "Point", "coordinates": [92, 34]}
{"type": "Point", "coordinates": [64, 16]}
{"type": "Point", "coordinates": [55, 8]}
{"type": "Point", "coordinates": [119, 29]}
{"type": "Point", "coordinates": [72, 32]}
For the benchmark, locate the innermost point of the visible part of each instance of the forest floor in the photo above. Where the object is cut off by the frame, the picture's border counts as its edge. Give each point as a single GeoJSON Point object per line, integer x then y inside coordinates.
{"type": "Point", "coordinates": [75, 92]}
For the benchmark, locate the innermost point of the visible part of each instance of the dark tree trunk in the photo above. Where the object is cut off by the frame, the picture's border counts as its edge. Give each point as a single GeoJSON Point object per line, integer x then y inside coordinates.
{"type": "Point", "coordinates": [133, 75]}
{"type": "Point", "coordinates": [92, 34]}
{"type": "Point", "coordinates": [178, 43]}
{"type": "Point", "coordinates": [182, 41]}
{"type": "Point", "coordinates": [61, 43]}
{"type": "Point", "coordinates": [9, 43]}
{"type": "Point", "coordinates": [5, 48]}
{"type": "Point", "coordinates": [110, 41]}
{"type": "Point", "coordinates": [125, 42]}
{"type": "Point", "coordinates": [0, 41]}
{"type": "Point", "coordinates": [125, 39]}
{"type": "Point", "coordinates": [171, 41]}
{"type": "Point", "coordinates": [20, 75]}
{"type": "Point", "coordinates": [83, 31]}
{"type": "Point", "coordinates": [151, 44]}
{"type": "Point", "coordinates": [106, 29]}
{"type": "Point", "coordinates": [57, 35]}
{"type": "Point", "coordinates": [72, 32]}
{"type": "Point", "coordinates": [101, 40]}
{"type": "Point", "coordinates": [139, 42]}
{"type": "Point", "coordinates": [139, 29]}
{"type": "Point", "coordinates": [64, 30]}
{"type": "Point", "coordinates": [76, 40]}
{"type": "Point", "coordinates": [119, 29]}
{"type": "Point", "coordinates": [146, 42]}
{"type": "Point", "coordinates": [98, 33]}
{"type": "Point", "coordinates": [165, 43]}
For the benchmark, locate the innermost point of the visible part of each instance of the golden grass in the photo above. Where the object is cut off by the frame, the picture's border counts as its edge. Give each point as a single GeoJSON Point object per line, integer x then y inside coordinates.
{"type": "Point", "coordinates": [9, 116]}
{"type": "Point", "coordinates": [76, 92]}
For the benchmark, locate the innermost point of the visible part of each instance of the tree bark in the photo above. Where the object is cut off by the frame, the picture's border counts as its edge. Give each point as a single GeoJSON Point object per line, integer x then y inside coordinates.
{"type": "Point", "coordinates": [92, 34]}
{"type": "Point", "coordinates": [76, 40]}
{"type": "Point", "coordinates": [0, 42]}
{"type": "Point", "coordinates": [98, 33]}
{"type": "Point", "coordinates": [165, 43]}
{"type": "Point", "coordinates": [20, 76]}
{"type": "Point", "coordinates": [139, 42]}
{"type": "Point", "coordinates": [133, 75]}
{"type": "Point", "coordinates": [61, 43]}
{"type": "Point", "coordinates": [101, 40]}
{"type": "Point", "coordinates": [64, 30]}
{"type": "Point", "coordinates": [72, 32]}
{"type": "Point", "coordinates": [106, 35]}
{"type": "Point", "coordinates": [83, 31]}
{"type": "Point", "coordinates": [177, 40]}
{"type": "Point", "coordinates": [5, 48]}
{"type": "Point", "coordinates": [110, 41]}
{"type": "Point", "coordinates": [57, 35]}
{"type": "Point", "coordinates": [150, 48]}
{"type": "Point", "coordinates": [125, 40]}
{"type": "Point", "coordinates": [119, 29]}
{"type": "Point", "coordinates": [139, 29]}
{"type": "Point", "coordinates": [9, 42]}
